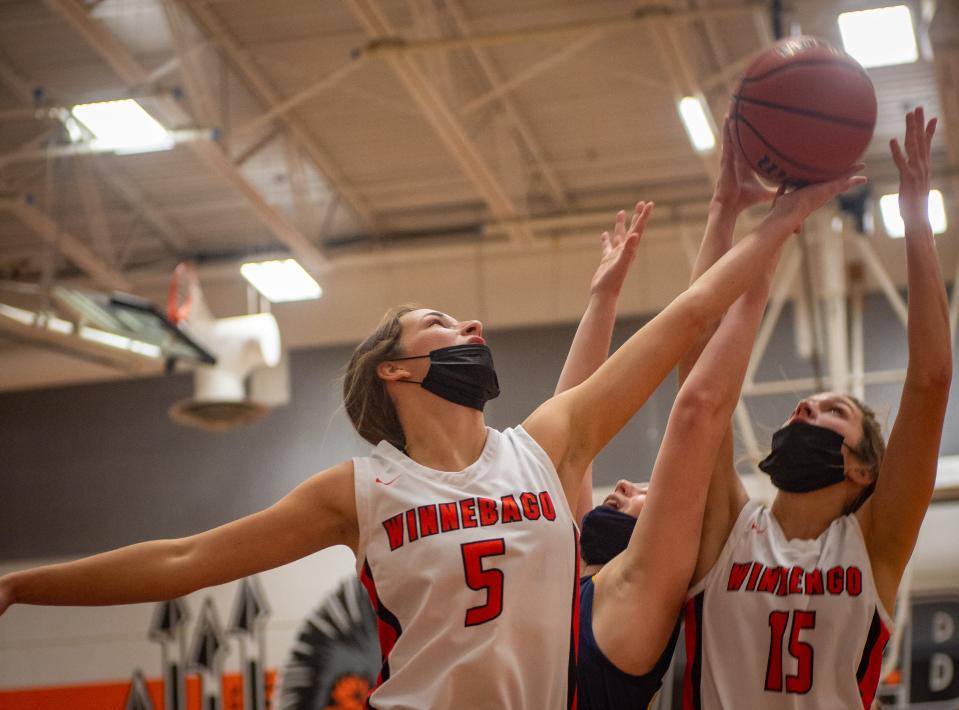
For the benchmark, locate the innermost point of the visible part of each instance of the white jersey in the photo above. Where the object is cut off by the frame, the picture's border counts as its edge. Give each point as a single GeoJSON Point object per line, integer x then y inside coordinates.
{"type": "Point", "coordinates": [780, 623]}
{"type": "Point", "coordinates": [473, 576]}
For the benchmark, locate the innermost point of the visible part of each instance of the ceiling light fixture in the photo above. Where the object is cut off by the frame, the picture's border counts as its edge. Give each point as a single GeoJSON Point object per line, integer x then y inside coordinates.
{"type": "Point", "coordinates": [281, 280]}
{"type": "Point", "coordinates": [880, 37]}
{"type": "Point", "coordinates": [697, 126]}
{"type": "Point", "coordinates": [122, 126]}
{"type": "Point", "coordinates": [892, 221]}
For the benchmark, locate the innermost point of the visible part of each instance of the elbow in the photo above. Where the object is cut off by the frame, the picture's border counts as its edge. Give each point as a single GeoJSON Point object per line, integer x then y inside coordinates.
{"type": "Point", "coordinates": [181, 562]}
{"type": "Point", "coordinates": [933, 378]}
{"type": "Point", "coordinates": [696, 405]}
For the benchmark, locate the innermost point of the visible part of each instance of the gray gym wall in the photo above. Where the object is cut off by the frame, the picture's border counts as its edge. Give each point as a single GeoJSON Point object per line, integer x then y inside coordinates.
{"type": "Point", "coordinates": [92, 467]}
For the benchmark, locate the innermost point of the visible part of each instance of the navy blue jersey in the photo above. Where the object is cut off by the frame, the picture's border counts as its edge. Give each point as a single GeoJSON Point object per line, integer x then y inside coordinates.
{"type": "Point", "coordinates": [603, 686]}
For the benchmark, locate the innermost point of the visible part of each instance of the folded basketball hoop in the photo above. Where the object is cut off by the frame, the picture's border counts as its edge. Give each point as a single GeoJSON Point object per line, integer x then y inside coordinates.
{"type": "Point", "coordinates": [249, 377]}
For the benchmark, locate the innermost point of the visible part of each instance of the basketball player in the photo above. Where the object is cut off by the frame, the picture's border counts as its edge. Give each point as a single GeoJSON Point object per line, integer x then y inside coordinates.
{"type": "Point", "coordinates": [635, 577]}
{"type": "Point", "coordinates": [463, 535]}
{"type": "Point", "coordinates": [790, 606]}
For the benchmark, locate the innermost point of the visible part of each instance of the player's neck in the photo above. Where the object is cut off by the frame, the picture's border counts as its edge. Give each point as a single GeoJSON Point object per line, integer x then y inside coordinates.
{"type": "Point", "coordinates": [443, 435]}
{"type": "Point", "coordinates": [805, 516]}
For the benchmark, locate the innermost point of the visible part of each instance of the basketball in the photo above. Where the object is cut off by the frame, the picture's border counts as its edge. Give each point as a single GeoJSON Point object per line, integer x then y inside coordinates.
{"type": "Point", "coordinates": [804, 111]}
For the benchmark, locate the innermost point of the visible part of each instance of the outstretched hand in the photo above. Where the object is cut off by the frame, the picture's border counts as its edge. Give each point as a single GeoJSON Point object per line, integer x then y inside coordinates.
{"type": "Point", "coordinates": [796, 205]}
{"type": "Point", "coordinates": [619, 250]}
{"type": "Point", "coordinates": [738, 187]}
{"type": "Point", "coordinates": [914, 168]}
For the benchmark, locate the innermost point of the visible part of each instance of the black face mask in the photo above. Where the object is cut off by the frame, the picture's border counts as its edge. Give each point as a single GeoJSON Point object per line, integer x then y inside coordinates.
{"type": "Point", "coordinates": [606, 533]}
{"type": "Point", "coordinates": [805, 458]}
{"type": "Point", "coordinates": [462, 374]}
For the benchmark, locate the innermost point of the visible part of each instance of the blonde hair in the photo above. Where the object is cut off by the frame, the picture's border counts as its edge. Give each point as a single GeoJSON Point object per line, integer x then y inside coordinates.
{"type": "Point", "coordinates": [365, 398]}
{"type": "Point", "coordinates": [871, 450]}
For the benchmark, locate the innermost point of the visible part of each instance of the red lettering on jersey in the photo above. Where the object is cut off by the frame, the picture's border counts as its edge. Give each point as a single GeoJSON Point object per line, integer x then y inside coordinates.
{"type": "Point", "coordinates": [795, 580]}
{"type": "Point", "coordinates": [813, 583]}
{"type": "Point", "coordinates": [854, 581]}
{"type": "Point", "coordinates": [783, 587]}
{"type": "Point", "coordinates": [429, 522]}
{"type": "Point", "coordinates": [449, 517]}
{"type": "Point", "coordinates": [511, 512]}
{"type": "Point", "coordinates": [769, 580]}
{"type": "Point", "coordinates": [737, 575]}
{"type": "Point", "coordinates": [530, 506]}
{"type": "Point", "coordinates": [546, 505]}
{"type": "Point", "coordinates": [754, 577]}
{"type": "Point", "coordinates": [394, 531]}
{"type": "Point", "coordinates": [487, 511]}
{"type": "Point", "coordinates": [468, 512]}
{"type": "Point", "coordinates": [834, 580]}
{"type": "Point", "coordinates": [411, 524]}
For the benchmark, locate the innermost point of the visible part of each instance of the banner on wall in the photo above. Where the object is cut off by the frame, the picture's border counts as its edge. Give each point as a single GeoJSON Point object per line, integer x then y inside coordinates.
{"type": "Point", "coordinates": [336, 656]}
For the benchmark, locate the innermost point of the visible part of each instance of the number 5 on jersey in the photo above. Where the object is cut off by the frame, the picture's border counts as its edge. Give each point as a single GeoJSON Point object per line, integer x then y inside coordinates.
{"type": "Point", "coordinates": [802, 651]}
{"type": "Point", "coordinates": [479, 579]}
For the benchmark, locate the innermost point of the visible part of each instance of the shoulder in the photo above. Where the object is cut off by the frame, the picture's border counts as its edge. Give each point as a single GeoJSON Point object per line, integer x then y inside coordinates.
{"type": "Point", "coordinates": [330, 490]}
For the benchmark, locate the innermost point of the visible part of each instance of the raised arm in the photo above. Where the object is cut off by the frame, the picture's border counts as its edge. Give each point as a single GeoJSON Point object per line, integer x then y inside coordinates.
{"type": "Point", "coordinates": [737, 189]}
{"type": "Point", "coordinates": [590, 346]}
{"type": "Point", "coordinates": [319, 513]}
{"type": "Point", "coordinates": [891, 517]}
{"type": "Point", "coordinates": [640, 592]}
{"type": "Point", "coordinates": [574, 426]}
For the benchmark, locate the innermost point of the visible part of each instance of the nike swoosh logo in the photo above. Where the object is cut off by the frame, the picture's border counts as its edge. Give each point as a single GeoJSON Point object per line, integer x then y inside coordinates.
{"type": "Point", "coordinates": [390, 482]}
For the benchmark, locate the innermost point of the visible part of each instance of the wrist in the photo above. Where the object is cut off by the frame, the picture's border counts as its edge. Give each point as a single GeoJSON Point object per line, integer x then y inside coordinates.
{"type": "Point", "coordinates": [776, 224]}
{"type": "Point", "coordinates": [603, 297]}
{"type": "Point", "coordinates": [723, 206]}
{"type": "Point", "coordinates": [918, 229]}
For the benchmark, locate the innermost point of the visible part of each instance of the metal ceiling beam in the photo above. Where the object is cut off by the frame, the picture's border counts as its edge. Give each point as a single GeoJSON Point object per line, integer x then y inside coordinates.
{"type": "Point", "coordinates": [301, 135]}
{"type": "Point", "coordinates": [682, 77]}
{"type": "Point", "coordinates": [443, 121]}
{"type": "Point", "coordinates": [127, 189]}
{"type": "Point", "coordinates": [522, 126]}
{"type": "Point", "coordinates": [388, 43]}
{"type": "Point", "coordinates": [531, 71]}
{"type": "Point", "coordinates": [21, 155]}
{"type": "Point", "coordinates": [198, 94]}
{"type": "Point", "coordinates": [116, 181]}
{"type": "Point", "coordinates": [111, 50]}
{"type": "Point", "coordinates": [67, 244]}
{"type": "Point", "coordinates": [97, 225]}
{"type": "Point", "coordinates": [327, 82]}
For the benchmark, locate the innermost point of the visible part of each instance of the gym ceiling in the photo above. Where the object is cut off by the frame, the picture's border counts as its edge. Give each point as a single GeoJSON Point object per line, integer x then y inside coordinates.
{"type": "Point", "coordinates": [461, 153]}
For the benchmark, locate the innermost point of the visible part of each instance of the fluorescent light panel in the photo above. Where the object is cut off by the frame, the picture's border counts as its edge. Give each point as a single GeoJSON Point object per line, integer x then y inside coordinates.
{"type": "Point", "coordinates": [282, 280]}
{"type": "Point", "coordinates": [892, 220]}
{"type": "Point", "coordinates": [122, 126]}
{"type": "Point", "coordinates": [697, 125]}
{"type": "Point", "coordinates": [880, 37]}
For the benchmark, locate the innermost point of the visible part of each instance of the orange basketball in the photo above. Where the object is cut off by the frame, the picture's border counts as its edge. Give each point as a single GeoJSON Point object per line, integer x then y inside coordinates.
{"type": "Point", "coordinates": [804, 111]}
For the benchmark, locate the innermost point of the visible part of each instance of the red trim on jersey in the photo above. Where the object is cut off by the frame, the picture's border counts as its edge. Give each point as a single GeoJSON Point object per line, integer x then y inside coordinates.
{"type": "Point", "coordinates": [693, 618]}
{"type": "Point", "coordinates": [870, 665]}
{"type": "Point", "coordinates": [572, 696]}
{"type": "Point", "coordinates": [388, 627]}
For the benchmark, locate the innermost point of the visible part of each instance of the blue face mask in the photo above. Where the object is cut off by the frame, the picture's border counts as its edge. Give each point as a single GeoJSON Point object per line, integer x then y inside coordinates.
{"type": "Point", "coordinates": [462, 374]}
{"type": "Point", "coordinates": [606, 533]}
{"type": "Point", "coordinates": [805, 458]}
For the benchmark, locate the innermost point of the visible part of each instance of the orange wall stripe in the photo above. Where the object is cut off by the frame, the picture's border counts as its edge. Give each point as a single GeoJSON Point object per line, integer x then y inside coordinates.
{"type": "Point", "coordinates": [113, 696]}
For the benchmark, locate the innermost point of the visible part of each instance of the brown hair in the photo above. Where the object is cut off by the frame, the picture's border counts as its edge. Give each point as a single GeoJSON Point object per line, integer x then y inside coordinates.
{"type": "Point", "coordinates": [871, 450]}
{"type": "Point", "coordinates": [365, 398]}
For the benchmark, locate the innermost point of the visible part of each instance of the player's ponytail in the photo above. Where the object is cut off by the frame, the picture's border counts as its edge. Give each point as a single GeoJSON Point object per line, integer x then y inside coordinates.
{"type": "Point", "coordinates": [365, 398]}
